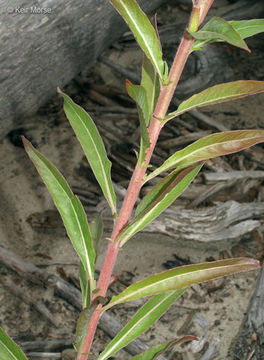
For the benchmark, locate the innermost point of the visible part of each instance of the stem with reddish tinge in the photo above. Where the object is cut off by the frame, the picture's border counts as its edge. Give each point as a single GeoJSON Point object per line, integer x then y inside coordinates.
{"type": "Point", "coordinates": [104, 281]}
{"type": "Point", "coordinates": [136, 181]}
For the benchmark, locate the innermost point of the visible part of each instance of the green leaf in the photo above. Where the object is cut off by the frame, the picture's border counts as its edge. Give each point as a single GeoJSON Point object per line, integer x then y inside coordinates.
{"type": "Point", "coordinates": [158, 199]}
{"type": "Point", "coordinates": [182, 277]}
{"type": "Point", "coordinates": [150, 82]}
{"type": "Point", "coordinates": [141, 321]}
{"type": "Point", "coordinates": [209, 147]}
{"type": "Point", "coordinates": [157, 350]}
{"type": "Point", "coordinates": [177, 178]}
{"type": "Point", "coordinates": [138, 94]}
{"type": "Point", "coordinates": [9, 350]}
{"type": "Point", "coordinates": [145, 95]}
{"type": "Point", "coordinates": [81, 327]}
{"type": "Point", "coordinates": [218, 94]}
{"type": "Point", "coordinates": [218, 29]}
{"type": "Point", "coordinates": [93, 147]}
{"type": "Point", "coordinates": [96, 230]}
{"type": "Point", "coordinates": [247, 28]}
{"type": "Point", "coordinates": [143, 31]}
{"type": "Point", "coordinates": [69, 207]}
{"type": "Point", "coordinates": [85, 286]}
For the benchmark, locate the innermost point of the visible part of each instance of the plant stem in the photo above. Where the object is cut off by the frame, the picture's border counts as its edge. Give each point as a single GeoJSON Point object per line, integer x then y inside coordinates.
{"type": "Point", "coordinates": [103, 283]}
{"type": "Point", "coordinates": [204, 8]}
{"type": "Point", "coordinates": [136, 181]}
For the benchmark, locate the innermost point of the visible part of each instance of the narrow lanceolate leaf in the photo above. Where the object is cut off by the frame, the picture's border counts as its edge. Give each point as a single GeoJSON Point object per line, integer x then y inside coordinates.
{"type": "Point", "coordinates": [81, 327]}
{"type": "Point", "coordinates": [141, 321]}
{"type": "Point", "coordinates": [9, 350]}
{"type": "Point", "coordinates": [159, 198]}
{"type": "Point", "coordinates": [139, 95]}
{"type": "Point", "coordinates": [157, 350]}
{"type": "Point", "coordinates": [165, 186]}
{"type": "Point", "coordinates": [181, 277]}
{"type": "Point", "coordinates": [142, 30]}
{"type": "Point", "coordinates": [211, 146]}
{"type": "Point", "coordinates": [145, 95]}
{"type": "Point", "coordinates": [247, 28]}
{"type": "Point", "coordinates": [69, 206]}
{"type": "Point", "coordinates": [218, 29]}
{"type": "Point", "coordinates": [93, 147]}
{"type": "Point", "coordinates": [85, 286]}
{"type": "Point", "coordinates": [96, 230]}
{"type": "Point", "coordinates": [218, 94]}
{"type": "Point", "coordinates": [150, 82]}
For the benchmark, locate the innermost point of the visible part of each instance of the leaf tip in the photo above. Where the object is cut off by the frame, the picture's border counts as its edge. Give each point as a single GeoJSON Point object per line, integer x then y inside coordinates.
{"type": "Point", "coordinates": [255, 262]}
{"type": "Point", "coordinates": [245, 47]}
{"type": "Point", "coordinates": [59, 90]}
{"type": "Point", "coordinates": [192, 338]}
{"type": "Point", "coordinates": [23, 139]}
{"type": "Point", "coordinates": [25, 142]}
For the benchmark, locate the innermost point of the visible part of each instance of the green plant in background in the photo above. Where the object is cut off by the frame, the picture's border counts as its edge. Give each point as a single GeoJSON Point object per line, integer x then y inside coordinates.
{"type": "Point", "coordinates": [152, 97]}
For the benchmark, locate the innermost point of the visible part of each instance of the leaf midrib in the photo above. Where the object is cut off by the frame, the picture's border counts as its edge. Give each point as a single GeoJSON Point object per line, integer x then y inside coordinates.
{"type": "Point", "coordinates": [167, 279]}
{"type": "Point", "coordinates": [142, 37]}
{"type": "Point", "coordinates": [206, 102]}
{"type": "Point", "coordinates": [98, 156]}
{"type": "Point", "coordinates": [142, 219]}
{"type": "Point", "coordinates": [133, 327]}
{"type": "Point", "coordinates": [172, 163]}
{"type": "Point", "coordinates": [79, 226]}
{"type": "Point", "coordinates": [9, 351]}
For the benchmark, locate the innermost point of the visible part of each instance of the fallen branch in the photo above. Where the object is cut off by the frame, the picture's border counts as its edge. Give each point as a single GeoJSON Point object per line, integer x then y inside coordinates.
{"type": "Point", "coordinates": [24, 269]}
{"type": "Point", "coordinates": [233, 175]}
{"type": "Point", "coordinates": [223, 221]}
{"type": "Point", "coordinates": [208, 120]}
{"type": "Point", "coordinates": [46, 345]}
{"type": "Point", "coordinates": [183, 140]}
{"type": "Point", "coordinates": [214, 189]}
{"type": "Point", "coordinates": [18, 292]}
{"type": "Point", "coordinates": [44, 355]}
{"type": "Point", "coordinates": [220, 222]}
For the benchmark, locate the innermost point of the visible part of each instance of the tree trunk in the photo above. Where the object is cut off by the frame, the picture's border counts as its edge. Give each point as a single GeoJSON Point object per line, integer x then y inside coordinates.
{"type": "Point", "coordinates": [45, 44]}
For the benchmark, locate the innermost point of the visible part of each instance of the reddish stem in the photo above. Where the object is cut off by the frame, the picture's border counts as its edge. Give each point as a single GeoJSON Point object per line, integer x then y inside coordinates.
{"type": "Point", "coordinates": [136, 181]}
{"type": "Point", "coordinates": [204, 8]}
{"type": "Point", "coordinates": [104, 281]}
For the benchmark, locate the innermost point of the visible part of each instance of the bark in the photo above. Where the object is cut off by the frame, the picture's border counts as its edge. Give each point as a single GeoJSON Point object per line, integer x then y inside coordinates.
{"type": "Point", "coordinates": [40, 51]}
{"type": "Point", "coordinates": [221, 222]}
